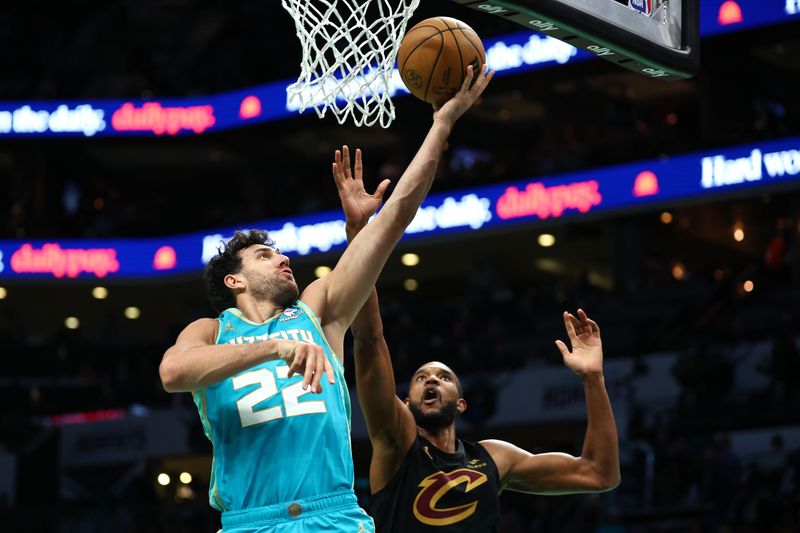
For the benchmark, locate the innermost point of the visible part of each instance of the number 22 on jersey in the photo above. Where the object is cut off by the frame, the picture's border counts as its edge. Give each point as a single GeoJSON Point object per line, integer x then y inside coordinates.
{"type": "Point", "coordinates": [268, 387]}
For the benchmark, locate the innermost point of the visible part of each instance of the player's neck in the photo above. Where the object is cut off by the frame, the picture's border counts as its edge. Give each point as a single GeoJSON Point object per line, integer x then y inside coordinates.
{"type": "Point", "coordinates": [257, 310]}
{"type": "Point", "coordinates": [443, 438]}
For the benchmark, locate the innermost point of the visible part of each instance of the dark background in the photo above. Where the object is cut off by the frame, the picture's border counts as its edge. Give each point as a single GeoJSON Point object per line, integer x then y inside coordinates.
{"type": "Point", "coordinates": [496, 308]}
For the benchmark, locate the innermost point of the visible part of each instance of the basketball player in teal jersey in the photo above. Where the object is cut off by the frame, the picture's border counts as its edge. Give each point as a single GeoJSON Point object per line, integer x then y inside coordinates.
{"type": "Point", "coordinates": [424, 479]}
{"type": "Point", "coordinates": [280, 433]}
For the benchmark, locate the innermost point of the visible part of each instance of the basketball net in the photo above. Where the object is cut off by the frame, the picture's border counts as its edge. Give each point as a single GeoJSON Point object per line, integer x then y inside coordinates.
{"type": "Point", "coordinates": [349, 51]}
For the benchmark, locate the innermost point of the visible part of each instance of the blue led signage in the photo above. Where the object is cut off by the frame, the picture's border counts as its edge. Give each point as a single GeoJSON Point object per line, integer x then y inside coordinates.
{"type": "Point", "coordinates": [509, 54]}
{"type": "Point", "coordinates": [604, 190]}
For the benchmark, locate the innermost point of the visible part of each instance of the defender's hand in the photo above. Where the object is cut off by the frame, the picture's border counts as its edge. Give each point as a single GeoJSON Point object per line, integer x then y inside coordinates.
{"type": "Point", "coordinates": [586, 358]}
{"type": "Point", "coordinates": [357, 203]}
{"type": "Point", "coordinates": [308, 360]}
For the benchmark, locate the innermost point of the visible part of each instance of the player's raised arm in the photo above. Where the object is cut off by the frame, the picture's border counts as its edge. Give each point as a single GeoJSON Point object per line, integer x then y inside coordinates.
{"type": "Point", "coordinates": [597, 468]}
{"type": "Point", "coordinates": [339, 296]}
{"type": "Point", "coordinates": [390, 424]}
{"type": "Point", "coordinates": [196, 361]}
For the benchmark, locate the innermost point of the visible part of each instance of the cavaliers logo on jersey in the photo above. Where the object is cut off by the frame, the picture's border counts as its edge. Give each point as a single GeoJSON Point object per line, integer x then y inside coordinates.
{"type": "Point", "coordinates": [434, 487]}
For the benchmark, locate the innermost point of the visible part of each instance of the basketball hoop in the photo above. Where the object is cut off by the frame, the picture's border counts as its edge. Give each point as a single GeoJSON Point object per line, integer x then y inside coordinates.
{"type": "Point", "coordinates": [349, 51]}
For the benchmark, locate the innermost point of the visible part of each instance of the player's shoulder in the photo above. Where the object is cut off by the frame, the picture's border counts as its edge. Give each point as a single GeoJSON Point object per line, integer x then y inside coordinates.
{"type": "Point", "coordinates": [503, 454]}
{"type": "Point", "coordinates": [202, 328]}
{"type": "Point", "coordinates": [204, 322]}
{"type": "Point", "coordinates": [501, 450]}
{"type": "Point", "coordinates": [496, 444]}
{"type": "Point", "coordinates": [314, 296]}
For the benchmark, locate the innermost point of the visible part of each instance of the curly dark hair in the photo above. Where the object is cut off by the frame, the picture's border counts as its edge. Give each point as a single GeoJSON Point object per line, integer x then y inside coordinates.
{"type": "Point", "coordinates": [227, 261]}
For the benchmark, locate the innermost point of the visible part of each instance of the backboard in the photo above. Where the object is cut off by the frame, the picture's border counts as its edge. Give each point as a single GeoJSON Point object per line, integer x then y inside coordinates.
{"type": "Point", "coordinates": [657, 38]}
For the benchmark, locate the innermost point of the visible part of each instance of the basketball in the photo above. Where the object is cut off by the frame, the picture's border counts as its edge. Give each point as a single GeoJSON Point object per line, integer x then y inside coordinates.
{"type": "Point", "coordinates": [434, 56]}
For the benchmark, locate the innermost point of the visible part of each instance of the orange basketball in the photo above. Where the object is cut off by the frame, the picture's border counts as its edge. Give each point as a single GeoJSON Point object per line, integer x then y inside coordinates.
{"type": "Point", "coordinates": [434, 56]}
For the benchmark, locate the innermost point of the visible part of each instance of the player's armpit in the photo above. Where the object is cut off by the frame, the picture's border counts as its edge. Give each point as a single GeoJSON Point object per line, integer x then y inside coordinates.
{"type": "Point", "coordinates": [547, 473]}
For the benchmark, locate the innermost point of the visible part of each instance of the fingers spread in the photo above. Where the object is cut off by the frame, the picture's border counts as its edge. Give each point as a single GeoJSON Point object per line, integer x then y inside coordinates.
{"type": "Point", "coordinates": [359, 165]}
{"type": "Point", "coordinates": [563, 349]}
{"type": "Point", "coordinates": [468, 79]}
{"type": "Point", "coordinates": [329, 372]}
{"type": "Point", "coordinates": [381, 190]}
{"type": "Point", "coordinates": [577, 325]}
{"type": "Point", "coordinates": [569, 324]}
{"type": "Point", "coordinates": [346, 162]}
{"type": "Point", "coordinates": [308, 375]}
{"type": "Point", "coordinates": [483, 80]}
{"type": "Point", "coordinates": [297, 363]}
{"type": "Point", "coordinates": [337, 177]}
{"type": "Point", "coordinates": [318, 367]}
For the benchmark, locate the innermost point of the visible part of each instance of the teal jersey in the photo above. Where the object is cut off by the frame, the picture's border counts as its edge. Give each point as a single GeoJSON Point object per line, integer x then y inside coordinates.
{"type": "Point", "coordinates": [274, 442]}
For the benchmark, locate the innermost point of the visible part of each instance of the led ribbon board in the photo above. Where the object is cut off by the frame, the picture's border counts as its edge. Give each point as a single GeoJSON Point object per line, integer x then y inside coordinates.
{"type": "Point", "coordinates": [508, 54]}
{"type": "Point", "coordinates": [702, 177]}
{"type": "Point", "coordinates": [657, 38]}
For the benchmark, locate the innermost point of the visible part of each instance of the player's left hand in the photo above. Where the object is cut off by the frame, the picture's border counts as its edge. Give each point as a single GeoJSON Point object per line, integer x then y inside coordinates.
{"type": "Point", "coordinates": [586, 358]}
{"type": "Point", "coordinates": [357, 203]}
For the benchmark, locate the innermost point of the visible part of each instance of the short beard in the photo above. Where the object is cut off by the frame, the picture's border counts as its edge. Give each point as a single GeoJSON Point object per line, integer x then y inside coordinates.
{"type": "Point", "coordinates": [282, 293]}
{"type": "Point", "coordinates": [434, 421]}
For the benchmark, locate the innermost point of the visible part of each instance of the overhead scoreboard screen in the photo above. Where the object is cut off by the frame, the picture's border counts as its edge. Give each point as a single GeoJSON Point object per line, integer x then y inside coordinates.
{"type": "Point", "coordinates": [657, 38]}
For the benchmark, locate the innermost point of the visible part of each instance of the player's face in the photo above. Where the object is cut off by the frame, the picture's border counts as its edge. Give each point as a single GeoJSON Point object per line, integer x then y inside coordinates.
{"type": "Point", "coordinates": [433, 396]}
{"type": "Point", "coordinates": [268, 276]}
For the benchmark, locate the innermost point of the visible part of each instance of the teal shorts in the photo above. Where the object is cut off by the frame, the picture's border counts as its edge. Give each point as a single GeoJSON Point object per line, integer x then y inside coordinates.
{"type": "Point", "coordinates": [337, 512]}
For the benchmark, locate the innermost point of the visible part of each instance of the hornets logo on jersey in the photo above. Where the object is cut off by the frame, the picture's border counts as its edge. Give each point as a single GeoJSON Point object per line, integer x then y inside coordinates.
{"type": "Point", "coordinates": [265, 428]}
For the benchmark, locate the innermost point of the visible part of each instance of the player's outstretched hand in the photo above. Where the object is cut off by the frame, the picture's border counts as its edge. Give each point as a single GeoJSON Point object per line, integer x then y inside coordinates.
{"type": "Point", "coordinates": [452, 110]}
{"type": "Point", "coordinates": [357, 203]}
{"type": "Point", "coordinates": [307, 360]}
{"type": "Point", "coordinates": [586, 358]}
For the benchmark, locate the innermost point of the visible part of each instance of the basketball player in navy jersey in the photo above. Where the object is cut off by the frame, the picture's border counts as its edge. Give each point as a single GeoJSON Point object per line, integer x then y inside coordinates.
{"type": "Point", "coordinates": [280, 433]}
{"type": "Point", "coordinates": [422, 477]}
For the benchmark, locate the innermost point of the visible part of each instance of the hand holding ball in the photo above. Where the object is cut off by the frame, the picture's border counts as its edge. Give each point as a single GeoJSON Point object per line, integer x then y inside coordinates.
{"type": "Point", "coordinates": [434, 56]}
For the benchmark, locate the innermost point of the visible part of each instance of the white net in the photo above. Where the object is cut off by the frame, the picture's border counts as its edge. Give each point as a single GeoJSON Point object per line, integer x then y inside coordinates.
{"type": "Point", "coordinates": [349, 51]}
